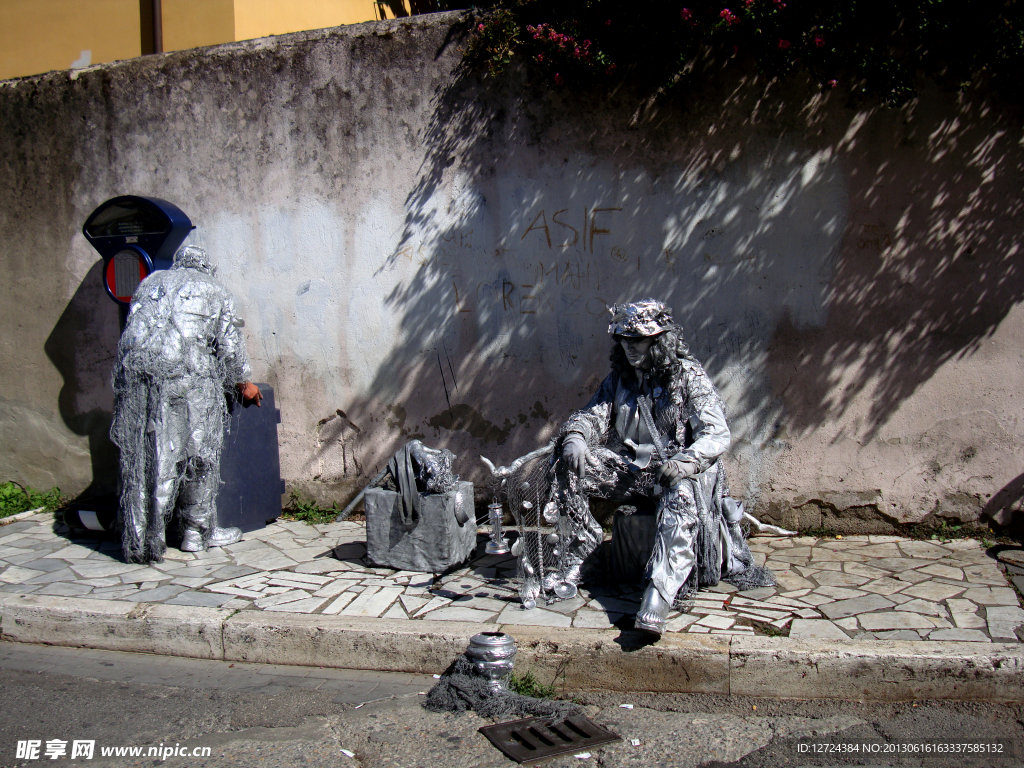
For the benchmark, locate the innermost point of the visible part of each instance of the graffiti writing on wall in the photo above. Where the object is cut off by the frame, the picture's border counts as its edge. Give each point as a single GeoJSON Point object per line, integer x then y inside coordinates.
{"type": "Point", "coordinates": [564, 283]}
{"type": "Point", "coordinates": [558, 263]}
{"type": "Point", "coordinates": [560, 218]}
{"type": "Point", "coordinates": [874, 237]}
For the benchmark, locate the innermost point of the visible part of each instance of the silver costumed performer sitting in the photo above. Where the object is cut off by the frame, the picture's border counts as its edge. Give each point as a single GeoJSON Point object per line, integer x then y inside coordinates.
{"type": "Point", "coordinates": [180, 353]}
{"type": "Point", "coordinates": [655, 428]}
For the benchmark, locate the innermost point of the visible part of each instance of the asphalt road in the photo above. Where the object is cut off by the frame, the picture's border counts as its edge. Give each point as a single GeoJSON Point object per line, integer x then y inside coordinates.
{"type": "Point", "coordinates": [262, 715]}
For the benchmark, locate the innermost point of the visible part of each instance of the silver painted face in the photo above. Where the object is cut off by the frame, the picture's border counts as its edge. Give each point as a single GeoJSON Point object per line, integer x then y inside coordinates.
{"type": "Point", "coordinates": [638, 351]}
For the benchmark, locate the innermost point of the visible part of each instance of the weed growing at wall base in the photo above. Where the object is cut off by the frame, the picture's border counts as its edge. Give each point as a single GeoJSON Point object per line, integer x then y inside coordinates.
{"type": "Point", "coordinates": [15, 498]}
{"type": "Point", "coordinates": [308, 511]}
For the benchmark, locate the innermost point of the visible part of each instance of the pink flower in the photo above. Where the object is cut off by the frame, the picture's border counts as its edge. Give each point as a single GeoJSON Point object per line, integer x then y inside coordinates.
{"type": "Point", "coordinates": [610, 69]}
{"type": "Point", "coordinates": [608, 23]}
{"type": "Point", "coordinates": [784, 44]}
{"type": "Point", "coordinates": [832, 83]}
{"type": "Point", "coordinates": [685, 14]}
{"type": "Point", "coordinates": [540, 57]}
{"type": "Point", "coordinates": [729, 16]}
{"type": "Point", "coordinates": [480, 27]}
{"type": "Point", "coordinates": [748, 3]}
{"type": "Point", "coordinates": [558, 79]}
{"type": "Point", "coordinates": [779, 4]}
{"type": "Point", "coordinates": [819, 40]}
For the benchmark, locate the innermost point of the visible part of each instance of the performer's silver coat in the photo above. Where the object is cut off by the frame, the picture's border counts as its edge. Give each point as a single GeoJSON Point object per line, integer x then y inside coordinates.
{"type": "Point", "coordinates": [179, 358]}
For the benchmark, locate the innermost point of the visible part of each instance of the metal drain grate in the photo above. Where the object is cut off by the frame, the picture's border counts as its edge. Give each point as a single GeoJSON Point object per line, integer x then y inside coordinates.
{"type": "Point", "coordinates": [537, 738]}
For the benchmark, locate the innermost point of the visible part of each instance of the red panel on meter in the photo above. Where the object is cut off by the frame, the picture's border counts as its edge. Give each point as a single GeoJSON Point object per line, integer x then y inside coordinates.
{"type": "Point", "coordinates": [124, 272]}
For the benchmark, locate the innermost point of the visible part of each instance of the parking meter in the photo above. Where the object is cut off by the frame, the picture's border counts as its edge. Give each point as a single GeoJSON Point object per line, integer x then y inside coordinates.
{"type": "Point", "coordinates": [135, 236]}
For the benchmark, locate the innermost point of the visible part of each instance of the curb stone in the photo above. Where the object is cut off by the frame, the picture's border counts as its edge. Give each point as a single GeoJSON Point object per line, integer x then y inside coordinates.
{"type": "Point", "coordinates": [20, 516]}
{"type": "Point", "coordinates": [170, 630]}
{"type": "Point", "coordinates": [771, 667]}
{"type": "Point", "coordinates": [878, 670]}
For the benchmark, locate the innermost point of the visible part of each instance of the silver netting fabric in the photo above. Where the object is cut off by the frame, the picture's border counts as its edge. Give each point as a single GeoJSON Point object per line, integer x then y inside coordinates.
{"type": "Point", "coordinates": [751, 575]}
{"type": "Point", "coordinates": [745, 573]}
{"type": "Point", "coordinates": [180, 353]}
{"type": "Point", "coordinates": [528, 492]}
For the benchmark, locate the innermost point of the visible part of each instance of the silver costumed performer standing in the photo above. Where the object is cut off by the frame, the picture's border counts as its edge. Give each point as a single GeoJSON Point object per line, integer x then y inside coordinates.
{"type": "Point", "coordinates": [180, 353]}
{"type": "Point", "coordinates": [655, 428]}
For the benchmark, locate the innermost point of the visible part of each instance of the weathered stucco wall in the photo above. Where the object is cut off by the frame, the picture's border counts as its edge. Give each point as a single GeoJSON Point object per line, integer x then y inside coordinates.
{"type": "Point", "coordinates": [419, 253]}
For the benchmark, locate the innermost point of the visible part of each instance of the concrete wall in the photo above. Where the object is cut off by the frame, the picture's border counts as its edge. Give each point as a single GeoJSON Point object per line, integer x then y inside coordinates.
{"type": "Point", "coordinates": [419, 253]}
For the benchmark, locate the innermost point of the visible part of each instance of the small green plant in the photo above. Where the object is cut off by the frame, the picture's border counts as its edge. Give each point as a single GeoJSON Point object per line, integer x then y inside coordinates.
{"type": "Point", "coordinates": [15, 498]}
{"type": "Point", "coordinates": [947, 532]}
{"type": "Point", "coordinates": [768, 630]}
{"type": "Point", "coordinates": [308, 511]}
{"type": "Point", "coordinates": [528, 685]}
{"type": "Point", "coordinates": [819, 533]}
{"type": "Point", "coordinates": [943, 531]}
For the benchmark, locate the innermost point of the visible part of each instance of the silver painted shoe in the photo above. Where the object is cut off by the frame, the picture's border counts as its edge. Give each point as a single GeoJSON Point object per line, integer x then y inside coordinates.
{"type": "Point", "coordinates": [221, 537]}
{"type": "Point", "coordinates": [653, 610]}
{"type": "Point", "coordinates": [192, 540]}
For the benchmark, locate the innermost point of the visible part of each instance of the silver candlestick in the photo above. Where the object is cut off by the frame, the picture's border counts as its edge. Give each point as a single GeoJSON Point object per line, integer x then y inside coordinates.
{"type": "Point", "coordinates": [497, 545]}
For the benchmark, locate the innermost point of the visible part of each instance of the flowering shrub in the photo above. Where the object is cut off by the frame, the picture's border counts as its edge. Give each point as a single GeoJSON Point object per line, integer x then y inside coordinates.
{"type": "Point", "coordinates": [877, 48]}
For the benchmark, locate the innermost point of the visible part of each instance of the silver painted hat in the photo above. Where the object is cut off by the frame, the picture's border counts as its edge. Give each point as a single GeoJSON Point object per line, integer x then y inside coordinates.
{"type": "Point", "coordinates": [640, 318]}
{"type": "Point", "coordinates": [193, 257]}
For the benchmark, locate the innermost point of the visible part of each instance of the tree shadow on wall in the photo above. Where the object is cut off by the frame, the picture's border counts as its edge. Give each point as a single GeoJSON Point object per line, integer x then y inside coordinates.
{"type": "Point", "coordinates": [83, 348]}
{"type": "Point", "coordinates": [931, 263]}
{"type": "Point", "coordinates": [1006, 508]}
{"type": "Point", "coordinates": [772, 218]}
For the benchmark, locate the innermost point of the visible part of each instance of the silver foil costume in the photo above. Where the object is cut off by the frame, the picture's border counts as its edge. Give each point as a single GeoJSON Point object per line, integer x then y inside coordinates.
{"type": "Point", "coordinates": [637, 422]}
{"type": "Point", "coordinates": [180, 354]}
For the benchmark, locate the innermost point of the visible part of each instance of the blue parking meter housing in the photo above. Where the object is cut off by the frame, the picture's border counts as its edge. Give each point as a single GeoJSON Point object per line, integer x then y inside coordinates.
{"type": "Point", "coordinates": [135, 236]}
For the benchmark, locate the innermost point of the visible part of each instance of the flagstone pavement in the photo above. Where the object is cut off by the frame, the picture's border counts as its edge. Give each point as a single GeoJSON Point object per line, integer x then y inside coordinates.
{"type": "Point", "coordinates": [854, 587]}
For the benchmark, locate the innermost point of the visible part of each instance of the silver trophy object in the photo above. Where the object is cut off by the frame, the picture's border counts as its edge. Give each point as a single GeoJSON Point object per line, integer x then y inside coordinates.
{"type": "Point", "coordinates": [492, 655]}
{"type": "Point", "coordinates": [497, 545]}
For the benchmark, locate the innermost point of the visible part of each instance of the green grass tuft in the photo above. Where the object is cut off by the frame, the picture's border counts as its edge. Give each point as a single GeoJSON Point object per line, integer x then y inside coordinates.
{"type": "Point", "coordinates": [15, 498]}
{"type": "Point", "coordinates": [308, 511]}
{"type": "Point", "coordinates": [528, 685]}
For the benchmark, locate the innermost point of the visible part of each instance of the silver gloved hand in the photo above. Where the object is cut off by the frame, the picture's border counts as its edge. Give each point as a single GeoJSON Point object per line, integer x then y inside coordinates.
{"type": "Point", "coordinates": [576, 453]}
{"type": "Point", "coordinates": [674, 471]}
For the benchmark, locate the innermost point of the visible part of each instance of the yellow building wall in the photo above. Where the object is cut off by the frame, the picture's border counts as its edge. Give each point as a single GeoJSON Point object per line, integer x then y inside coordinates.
{"type": "Point", "coordinates": [260, 18]}
{"type": "Point", "coordinates": [42, 35]}
{"type": "Point", "coordinates": [194, 23]}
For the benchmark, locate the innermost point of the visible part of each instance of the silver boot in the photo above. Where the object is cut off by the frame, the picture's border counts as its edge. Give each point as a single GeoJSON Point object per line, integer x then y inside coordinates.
{"type": "Point", "coordinates": [653, 610]}
{"type": "Point", "coordinates": [192, 539]}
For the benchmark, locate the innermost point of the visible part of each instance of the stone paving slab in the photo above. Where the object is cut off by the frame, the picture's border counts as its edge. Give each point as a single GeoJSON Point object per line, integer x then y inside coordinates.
{"type": "Point", "coordinates": [853, 587]}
